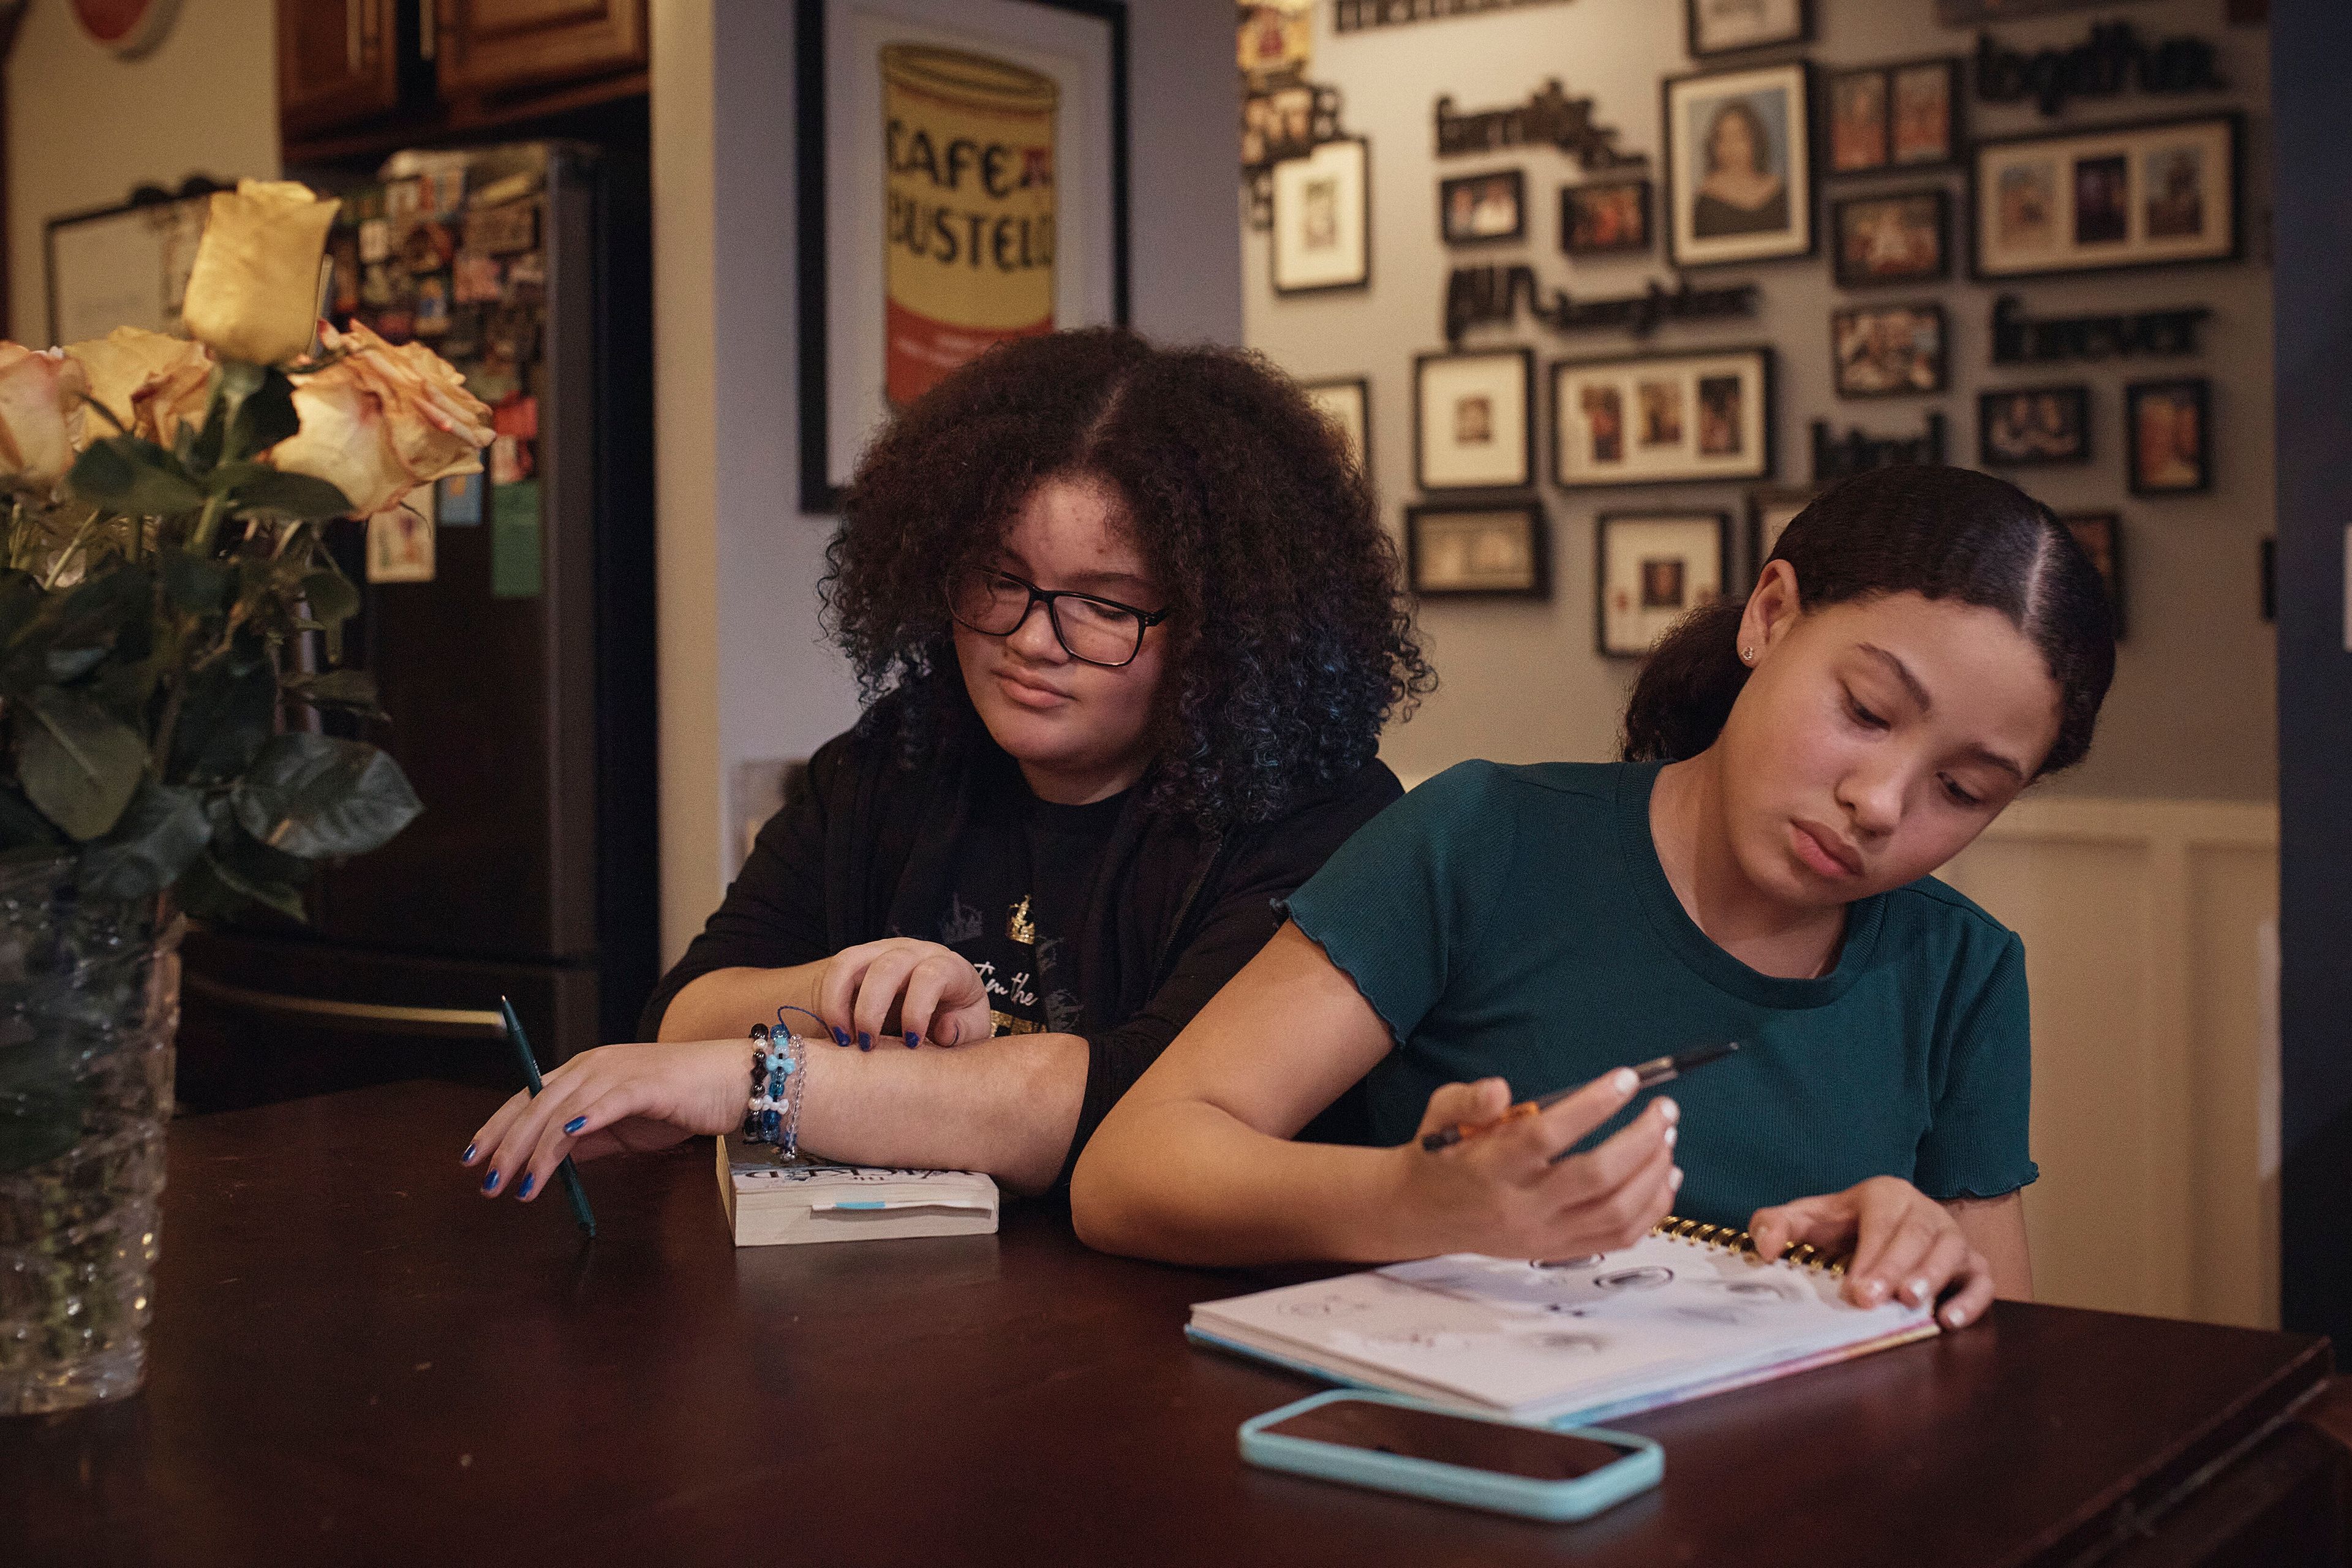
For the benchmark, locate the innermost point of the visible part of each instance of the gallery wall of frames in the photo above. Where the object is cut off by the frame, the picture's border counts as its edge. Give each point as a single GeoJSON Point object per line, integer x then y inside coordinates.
{"type": "Point", "coordinates": [1605, 290]}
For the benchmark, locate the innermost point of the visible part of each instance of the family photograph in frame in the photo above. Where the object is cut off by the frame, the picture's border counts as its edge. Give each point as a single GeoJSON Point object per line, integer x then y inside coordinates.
{"type": "Point", "coordinates": [1480, 209]}
{"type": "Point", "coordinates": [1902, 116]}
{"type": "Point", "coordinates": [1653, 568]}
{"type": "Point", "coordinates": [1346, 402]}
{"type": "Point", "coordinates": [1662, 418]}
{"type": "Point", "coordinates": [1499, 551]}
{"type": "Point", "coordinates": [1889, 351]}
{"type": "Point", "coordinates": [2021, 425]}
{"type": "Point", "coordinates": [1474, 420]}
{"type": "Point", "coordinates": [1605, 217]}
{"type": "Point", "coordinates": [2101, 535]}
{"type": "Point", "coordinates": [1898, 237]}
{"type": "Point", "coordinates": [2150, 195]}
{"type": "Point", "coordinates": [1738, 161]}
{"type": "Point", "coordinates": [1322, 219]}
{"type": "Point", "coordinates": [884, 83]}
{"type": "Point", "coordinates": [2169, 436]}
{"type": "Point", "coordinates": [1735, 27]}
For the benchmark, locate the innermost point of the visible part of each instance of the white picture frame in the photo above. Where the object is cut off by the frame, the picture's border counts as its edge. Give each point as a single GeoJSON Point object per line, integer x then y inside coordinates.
{"type": "Point", "coordinates": [1663, 419]}
{"type": "Point", "coordinates": [1653, 568]}
{"type": "Point", "coordinates": [1739, 165]}
{"type": "Point", "coordinates": [1322, 234]}
{"type": "Point", "coordinates": [2167, 192]}
{"type": "Point", "coordinates": [1474, 420]}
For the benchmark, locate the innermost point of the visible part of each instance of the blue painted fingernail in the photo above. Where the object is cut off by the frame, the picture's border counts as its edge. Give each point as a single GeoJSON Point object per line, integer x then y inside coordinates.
{"type": "Point", "coordinates": [524, 1191]}
{"type": "Point", "coordinates": [841, 1039]}
{"type": "Point", "coordinates": [911, 1038]}
{"type": "Point", "coordinates": [575, 1124]}
{"type": "Point", "coordinates": [865, 1041]}
{"type": "Point", "coordinates": [489, 1181]}
{"type": "Point", "coordinates": [467, 1157]}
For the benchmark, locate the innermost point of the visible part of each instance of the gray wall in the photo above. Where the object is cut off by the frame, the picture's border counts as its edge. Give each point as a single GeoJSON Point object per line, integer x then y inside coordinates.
{"type": "Point", "coordinates": [2192, 710]}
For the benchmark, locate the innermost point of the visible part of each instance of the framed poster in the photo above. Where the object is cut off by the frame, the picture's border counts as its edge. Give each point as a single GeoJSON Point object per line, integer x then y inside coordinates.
{"type": "Point", "coordinates": [1474, 420]}
{"type": "Point", "coordinates": [1605, 217]}
{"type": "Point", "coordinates": [1322, 219]}
{"type": "Point", "coordinates": [1729, 27]}
{"type": "Point", "coordinates": [1478, 209]}
{"type": "Point", "coordinates": [1739, 183]}
{"type": "Point", "coordinates": [1654, 568]}
{"type": "Point", "coordinates": [1460, 550]}
{"type": "Point", "coordinates": [1347, 401]}
{"type": "Point", "coordinates": [2019, 426]}
{"type": "Point", "coordinates": [1898, 237]}
{"type": "Point", "coordinates": [961, 182]}
{"type": "Point", "coordinates": [1889, 351]}
{"type": "Point", "coordinates": [1663, 419]}
{"type": "Point", "coordinates": [1770, 511]}
{"type": "Point", "coordinates": [2150, 195]}
{"type": "Point", "coordinates": [122, 266]}
{"type": "Point", "coordinates": [2169, 436]}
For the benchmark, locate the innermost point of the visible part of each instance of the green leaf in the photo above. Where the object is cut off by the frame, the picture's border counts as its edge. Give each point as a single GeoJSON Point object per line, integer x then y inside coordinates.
{"type": "Point", "coordinates": [297, 496]}
{"type": "Point", "coordinates": [199, 586]}
{"type": "Point", "coordinates": [265, 417]}
{"type": "Point", "coordinates": [334, 600]}
{"type": "Point", "coordinates": [315, 797]}
{"type": "Point", "coordinates": [352, 689]}
{"type": "Point", "coordinates": [79, 763]}
{"type": "Point", "coordinates": [227, 714]}
{"type": "Point", "coordinates": [69, 664]}
{"type": "Point", "coordinates": [135, 478]}
{"type": "Point", "coordinates": [210, 890]}
{"type": "Point", "coordinates": [162, 832]}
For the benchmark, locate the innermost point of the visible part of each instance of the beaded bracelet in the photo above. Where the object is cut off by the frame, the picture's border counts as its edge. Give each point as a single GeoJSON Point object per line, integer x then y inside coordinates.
{"type": "Point", "coordinates": [772, 1114]}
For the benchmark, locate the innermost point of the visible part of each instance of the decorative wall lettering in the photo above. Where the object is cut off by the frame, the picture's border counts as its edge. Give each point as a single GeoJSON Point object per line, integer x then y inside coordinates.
{"type": "Point", "coordinates": [2018, 338]}
{"type": "Point", "coordinates": [1548, 115]}
{"type": "Point", "coordinates": [1837, 456]}
{"type": "Point", "coordinates": [1485, 295]}
{"type": "Point", "coordinates": [1355, 16]}
{"type": "Point", "coordinates": [2106, 65]}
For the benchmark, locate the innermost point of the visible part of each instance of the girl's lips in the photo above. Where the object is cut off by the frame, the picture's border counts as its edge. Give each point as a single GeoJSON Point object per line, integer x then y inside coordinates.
{"type": "Point", "coordinates": [1819, 855]}
{"type": "Point", "coordinates": [1028, 694]}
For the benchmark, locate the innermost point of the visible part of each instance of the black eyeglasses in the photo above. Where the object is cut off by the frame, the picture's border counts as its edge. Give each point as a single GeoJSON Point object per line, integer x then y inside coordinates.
{"type": "Point", "coordinates": [1091, 630]}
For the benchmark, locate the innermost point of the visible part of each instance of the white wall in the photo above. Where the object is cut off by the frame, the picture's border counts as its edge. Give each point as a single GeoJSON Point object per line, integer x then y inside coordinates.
{"type": "Point", "coordinates": [2193, 707]}
{"type": "Point", "coordinates": [84, 127]}
{"type": "Point", "coordinates": [745, 671]}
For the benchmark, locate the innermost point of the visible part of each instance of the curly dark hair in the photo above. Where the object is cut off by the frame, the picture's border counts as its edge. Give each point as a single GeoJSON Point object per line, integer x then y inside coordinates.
{"type": "Point", "coordinates": [1289, 640]}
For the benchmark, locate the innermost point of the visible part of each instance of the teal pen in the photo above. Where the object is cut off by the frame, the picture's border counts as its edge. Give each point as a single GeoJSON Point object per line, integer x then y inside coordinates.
{"type": "Point", "coordinates": [571, 1187]}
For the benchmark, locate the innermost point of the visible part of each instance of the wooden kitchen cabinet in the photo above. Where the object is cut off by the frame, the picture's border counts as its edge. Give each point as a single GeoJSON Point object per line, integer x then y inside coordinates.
{"type": "Point", "coordinates": [338, 63]}
{"type": "Point", "coordinates": [497, 45]}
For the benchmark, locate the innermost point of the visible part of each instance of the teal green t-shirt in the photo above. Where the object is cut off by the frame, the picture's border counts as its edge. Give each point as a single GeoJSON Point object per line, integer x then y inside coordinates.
{"type": "Point", "coordinates": [1515, 921]}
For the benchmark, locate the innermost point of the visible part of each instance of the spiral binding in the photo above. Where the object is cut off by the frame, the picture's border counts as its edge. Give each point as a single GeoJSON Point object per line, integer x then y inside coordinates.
{"type": "Point", "coordinates": [1724, 1238]}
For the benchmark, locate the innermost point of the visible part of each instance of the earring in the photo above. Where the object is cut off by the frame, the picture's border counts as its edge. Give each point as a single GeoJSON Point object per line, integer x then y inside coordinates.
{"type": "Point", "coordinates": [1747, 656]}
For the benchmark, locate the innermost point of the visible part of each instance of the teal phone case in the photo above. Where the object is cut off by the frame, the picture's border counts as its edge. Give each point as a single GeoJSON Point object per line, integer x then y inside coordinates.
{"type": "Point", "coordinates": [1581, 1498]}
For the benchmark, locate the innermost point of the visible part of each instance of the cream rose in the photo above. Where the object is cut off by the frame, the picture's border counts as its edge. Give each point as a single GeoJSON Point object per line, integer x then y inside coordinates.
{"type": "Point", "coordinates": [152, 382]}
{"type": "Point", "coordinates": [253, 293]}
{"type": "Point", "coordinates": [40, 414]}
{"type": "Point", "coordinates": [380, 421]}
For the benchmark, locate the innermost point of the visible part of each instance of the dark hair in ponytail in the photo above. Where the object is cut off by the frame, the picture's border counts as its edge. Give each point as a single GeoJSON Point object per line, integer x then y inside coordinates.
{"type": "Point", "coordinates": [1941, 532]}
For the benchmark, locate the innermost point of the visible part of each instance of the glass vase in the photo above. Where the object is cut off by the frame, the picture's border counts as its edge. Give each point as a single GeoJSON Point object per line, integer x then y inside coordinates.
{"type": "Point", "coordinates": [90, 1000]}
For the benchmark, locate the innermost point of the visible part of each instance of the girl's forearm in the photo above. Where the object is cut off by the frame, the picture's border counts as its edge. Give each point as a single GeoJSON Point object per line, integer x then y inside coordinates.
{"type": "Point", "coordinates": [1185, 1182]}
{"type": "Point", "coordinates": [1007, 1107]}
{"type": "Point", "coordinates": [729, 1001]}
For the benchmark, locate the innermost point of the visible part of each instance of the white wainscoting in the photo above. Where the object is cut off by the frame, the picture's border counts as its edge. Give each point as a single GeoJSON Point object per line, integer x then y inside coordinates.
{"type": "Point", "coordinates": [2150, 932]}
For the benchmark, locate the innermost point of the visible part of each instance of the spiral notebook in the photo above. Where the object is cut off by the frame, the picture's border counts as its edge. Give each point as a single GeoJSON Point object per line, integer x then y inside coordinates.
{"type": "Point", "coordinates": [1687, 1311]}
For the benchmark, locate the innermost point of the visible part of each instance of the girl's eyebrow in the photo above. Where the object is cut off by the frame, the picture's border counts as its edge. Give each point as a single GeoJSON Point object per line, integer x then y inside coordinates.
{"type": "Point", "coordinates": [1982, 753]}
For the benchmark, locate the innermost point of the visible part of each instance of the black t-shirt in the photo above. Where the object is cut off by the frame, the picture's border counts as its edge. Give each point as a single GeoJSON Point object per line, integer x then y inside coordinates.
{"type": "Point", "coordinates": [1017, 893]}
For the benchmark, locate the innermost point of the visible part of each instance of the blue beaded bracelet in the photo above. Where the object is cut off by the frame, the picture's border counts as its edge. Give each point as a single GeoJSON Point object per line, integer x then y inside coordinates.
{"type": "Point", "coordinates": [772, 1113]}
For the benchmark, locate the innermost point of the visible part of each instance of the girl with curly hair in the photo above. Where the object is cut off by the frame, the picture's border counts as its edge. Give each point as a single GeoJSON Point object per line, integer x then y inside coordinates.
{"type": "Point", "coordinates": [1923, 644]}
{"type": "Point", "coordinates": [1128, 629]}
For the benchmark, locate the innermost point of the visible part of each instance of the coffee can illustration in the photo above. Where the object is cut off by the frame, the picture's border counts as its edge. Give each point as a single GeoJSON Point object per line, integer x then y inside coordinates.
{"type": "Point", "coordinates": [968, 160]}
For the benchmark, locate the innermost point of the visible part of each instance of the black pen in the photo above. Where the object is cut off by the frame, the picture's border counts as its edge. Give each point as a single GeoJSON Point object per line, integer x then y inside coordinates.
{"type": "Point", "coordinates": [1646, 1075]}
{"type": "Point", "coordinates": [571, 1187]}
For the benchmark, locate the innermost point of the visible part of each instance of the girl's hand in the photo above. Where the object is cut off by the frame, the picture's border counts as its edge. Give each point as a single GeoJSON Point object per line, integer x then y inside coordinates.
{"type": "Point", "coordinates": [903, 990]}
{"type": "Point", "coordinates": [1904, 1244]}
{"type": "Point", "coordinates": [614, 1099]}
{"type": "Point", "coordinates": [1507, 1193]}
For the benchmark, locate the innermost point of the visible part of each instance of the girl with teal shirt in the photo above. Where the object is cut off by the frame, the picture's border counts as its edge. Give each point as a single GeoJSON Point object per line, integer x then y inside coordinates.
{"type": "Point", "coordinates": [1924, 644]}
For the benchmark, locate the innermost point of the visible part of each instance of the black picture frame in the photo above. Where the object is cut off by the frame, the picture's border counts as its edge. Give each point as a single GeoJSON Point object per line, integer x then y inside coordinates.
{"type": "Point", "coordinates": [1526, 474]}
{"type": "Point", "coordinates": [1733, 250]}
{"type": "Point", "coordinates": [818, 494]}
{"type": "Point", "coordinates": [2074, 394]}
{"type": "Point", "coordinates": [1517, 181]}
{"type": "Point", "coordinates": [1360, 149]}
{"type": "Point", "coordinates": [1608, 521]}
{"type": "Point", "coordinates": [1931, 309]}
{"type": "Point", "coordinates": [1955, 140]}
{"type": "Point", "coordinates": [1561, 371]}
{"type": "Point", "coordinates": [1759, 499]}
{"type": "Point", "coordinates": [2269, 578]}
{"type": "Point", "coordinates": [1648, 203]}
{"type": "Point", "coordinates": [1984, 151]}
{"type": "Point", "coordinates": [1801, 34]}
{"type": "Point", "coordinates": [1362, 388]}
{"type": "Point", "coordinates": [1530, 512]}
{"type": "Point", "coordinates": [2106, 553]}
{"type": "Point", "coordinates": [1847, 273]}
{"type": "Point", "coordinates": [2198, 391]}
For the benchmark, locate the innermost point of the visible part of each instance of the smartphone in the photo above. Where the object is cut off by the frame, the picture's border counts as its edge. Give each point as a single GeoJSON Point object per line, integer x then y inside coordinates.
{"type": "Point", "coordinates": [1390, 1442]}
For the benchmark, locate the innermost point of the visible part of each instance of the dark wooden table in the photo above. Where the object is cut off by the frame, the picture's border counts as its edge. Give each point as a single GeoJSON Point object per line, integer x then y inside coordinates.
{"type": "Point", "coordinates": [358, 1359]}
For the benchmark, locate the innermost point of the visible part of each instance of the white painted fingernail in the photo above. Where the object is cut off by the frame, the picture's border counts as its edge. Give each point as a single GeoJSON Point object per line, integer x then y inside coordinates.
{"type": "Point", "coordinates": [1670, 1110]}
{"type": "Point", "coordinates": [1624, 1080]}
{"type": "Point", "coordinates": [1675, 1179]}
{"type": "Point", "coordinates": [1915, 1291]}
{"type": "Point", "coordinates": [1671, 1134]}
{"type": "Point", "coordinates": [1953, 1317]}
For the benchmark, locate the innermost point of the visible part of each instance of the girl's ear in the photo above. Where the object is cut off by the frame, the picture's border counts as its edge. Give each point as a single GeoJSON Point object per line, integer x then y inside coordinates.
{"type": "Point", "coordinates": [1771, 610]}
